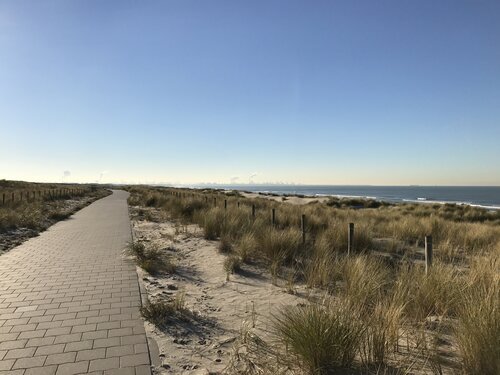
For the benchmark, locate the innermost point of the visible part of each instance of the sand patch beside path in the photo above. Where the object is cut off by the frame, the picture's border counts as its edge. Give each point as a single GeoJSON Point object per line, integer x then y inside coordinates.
{"type": "Point", "coordinates": [203, 344]}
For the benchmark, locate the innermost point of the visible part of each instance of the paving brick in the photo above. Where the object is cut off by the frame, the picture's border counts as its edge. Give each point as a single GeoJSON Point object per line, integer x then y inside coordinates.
{"type": "Point", "coordinates": [95, 335]}
{"type": "Point", "coordinates": [79, 345]}
{"type": "Point", "coordinates": [58, 331]}
{"type": "Point", "coordinates": [55, 359]}
{"type": "Point", "coordinates": [143, 370]}
{"type": "Point", "coordinates": [65, 316]}
{"type": "Point", "coordinates": [32, 334]}
{"type": "Point", "coordinates": [104, 364]}
{"type": "Point", "coordinates": [18, 321]}
{"type": "Point", "coordinates": [84, 328]}
{"type": "Point", "coordinates": [46, 370]}
{"type": "Point", "coordinates": [13, 372]}
{"type": "Point", "coordinates": [108, 325]}
{"type": "Point", "coordinates": [13, 344]}
{"type": "Point", "coordinates": [91, 354]}
{"type": "Point", "coordinates": [40, 341]}
{"type": "Point", "coordinates": [72, 322]}
{"type": "Point", "coordinates": [20, 353]}
{"type": "Point", "coordinates": [6, 365]}
{"type": "Point", "coordinates": [46, 325]}
{"type": "Point", "coordinates": [29, 362]}
{"type": "Point", "coordinates": [134, 360]}
{"type": "Point", "coordinates": [50, 349]}
{"type": "Point", "coordinates": [134, 339]}
{"type": "Point", "coordinates": [119, 351]}
{"type": "Point", "coordinates": [104, 343]}
{"type": "Point", "coordinates": [73, 368]}
{"type": "Point", "coordinates": [121, 371]}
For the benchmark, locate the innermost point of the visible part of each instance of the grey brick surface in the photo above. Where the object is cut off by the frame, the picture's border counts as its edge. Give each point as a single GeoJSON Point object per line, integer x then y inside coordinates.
{"type": "Point", "coordinates": [69, 300]}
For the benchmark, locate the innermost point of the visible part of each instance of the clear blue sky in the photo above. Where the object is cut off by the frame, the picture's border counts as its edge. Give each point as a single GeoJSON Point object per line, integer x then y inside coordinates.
{"type": "Point", "coordinates": [328, 92]}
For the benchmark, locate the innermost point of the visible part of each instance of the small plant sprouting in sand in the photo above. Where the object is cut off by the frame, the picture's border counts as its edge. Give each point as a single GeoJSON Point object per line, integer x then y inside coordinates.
{"type": "Point", "coordinates": [152, 260]}
{"type": "Point", "coordinates": [232, 264]}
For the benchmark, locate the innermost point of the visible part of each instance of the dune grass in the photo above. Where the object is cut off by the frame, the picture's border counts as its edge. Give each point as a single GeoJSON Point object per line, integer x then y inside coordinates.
{"type": "Point", "coordinates": [321, 338]}
{"type": "Point", "coordinates": [377, 293]}
{"type": "Point", "coordinates": [151, 260]}
{"type": "Point", "coordinates": [162, 312]}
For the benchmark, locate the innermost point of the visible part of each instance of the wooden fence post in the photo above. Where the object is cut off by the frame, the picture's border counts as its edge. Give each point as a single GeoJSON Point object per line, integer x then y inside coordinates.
{"type": "Point", "coordinates": [303, 227]}
{"type": "Point", "coordinates": [253, 211]}
{"type": "Point", "coordinates": [225, 204]}
{"type": "Point", "coordinates": [428, 253]}
{"type": "Point", "coordinates": [350, 239]}
{"type": "Point", "coordinates": [238, 204]}
{"type": "Point", "coordinates": [215, 201]}
{"type": "Point", "coordinates": [273, 216]}
{"type": "Point", "coordinates": [13, 197]}
{"type": "Point", "coordinates": [3, 198]}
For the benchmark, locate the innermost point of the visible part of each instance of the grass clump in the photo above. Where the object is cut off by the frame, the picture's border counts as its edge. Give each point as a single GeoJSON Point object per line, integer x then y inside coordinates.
{"type": "Point", "coordinates": [364, 280]}
{"type": "Point", "coordinates": [432, 294]}
{"type": "Point", "coordinates": [162, 312]}
{"type": "Point", "coordinates": [247, 247]}
{"type": "Point", "coordinates": [321, 339]}
{"type": "Point", "coordinates": [152, 260]}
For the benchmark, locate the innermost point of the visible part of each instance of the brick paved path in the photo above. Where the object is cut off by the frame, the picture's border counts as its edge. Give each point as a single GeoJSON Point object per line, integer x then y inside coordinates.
{"type": "Point", "coordinates": [69, 302]}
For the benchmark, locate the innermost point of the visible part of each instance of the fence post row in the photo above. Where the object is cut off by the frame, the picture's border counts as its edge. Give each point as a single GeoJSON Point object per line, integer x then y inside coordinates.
{"type": "Point", "coordinates": [350, 238]}
{"type": "Point", "coordinates": [428, 253]}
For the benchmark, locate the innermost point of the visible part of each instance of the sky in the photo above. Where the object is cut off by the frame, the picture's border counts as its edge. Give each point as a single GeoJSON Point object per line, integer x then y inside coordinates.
{"type": "Point", "coordinates": [264, 91]}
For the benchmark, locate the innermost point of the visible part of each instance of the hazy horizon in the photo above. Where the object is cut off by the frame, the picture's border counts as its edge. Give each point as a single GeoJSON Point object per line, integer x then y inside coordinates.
{"type": "Point", "coordinates": [385, 93]}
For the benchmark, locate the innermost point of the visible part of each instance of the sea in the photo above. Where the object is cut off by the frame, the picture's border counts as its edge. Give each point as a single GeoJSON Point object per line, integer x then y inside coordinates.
{"type": "Point", "coordinates": [480, 196]}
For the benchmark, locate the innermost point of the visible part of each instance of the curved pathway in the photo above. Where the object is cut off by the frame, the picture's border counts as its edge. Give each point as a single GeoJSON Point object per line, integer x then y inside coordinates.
{"type": "Point", "coordinates": [69, 301]}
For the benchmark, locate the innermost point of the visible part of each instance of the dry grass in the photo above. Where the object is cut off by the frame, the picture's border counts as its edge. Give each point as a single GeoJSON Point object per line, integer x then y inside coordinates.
{"type": "Point", "coordinates": [321, 339]}
{"type": "Point", "coordinates": [161, 313]}
{"type": "Point", "coordinates": [371, 300]}
{"type": "Point", "coordinates": [151, 260]}
{"type": "Point", "coordinates": [478, 324]}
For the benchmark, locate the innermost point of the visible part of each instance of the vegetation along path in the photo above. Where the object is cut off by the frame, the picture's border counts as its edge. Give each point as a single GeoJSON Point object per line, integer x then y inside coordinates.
{"type": "Point", "coordinates": [69, 301]}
